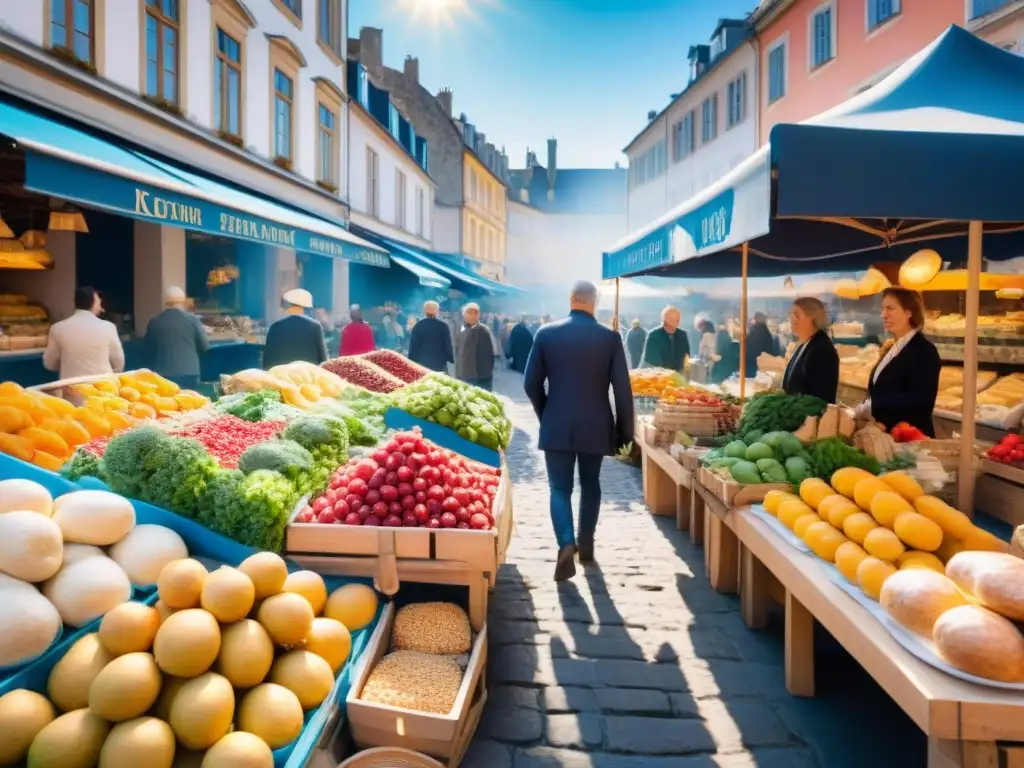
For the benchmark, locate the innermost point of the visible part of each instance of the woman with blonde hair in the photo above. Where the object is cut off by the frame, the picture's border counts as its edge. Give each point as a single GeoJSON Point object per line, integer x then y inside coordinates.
{"type": "Point", "coordinates": [814, 367]}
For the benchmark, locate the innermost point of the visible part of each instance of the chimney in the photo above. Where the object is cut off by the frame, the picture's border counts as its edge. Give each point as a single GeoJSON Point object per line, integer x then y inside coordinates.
{"type": "Point", "coordinates": [552, 165]}
{"type": "Point", "coordinates": [444, 98]}
{"type": "Point", "coordinates": [412, 69]}
{"type": "Point", "coordinates": [371, 52]}
{"type": "Point", "coordinates": [353, 48]}
{"type": "Point", "coordinates": [651, 115]}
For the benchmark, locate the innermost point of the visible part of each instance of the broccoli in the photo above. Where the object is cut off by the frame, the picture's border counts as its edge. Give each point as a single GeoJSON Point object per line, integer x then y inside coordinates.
{"type": "Point", "coordinates": [125, 462]}
{"type": "Point", "coordinates": [82, 464]}
{"type": "Point", "coordinates": [284, 456]}
{"type": "Point", "coordinates": [179, 470]}
{"type": "Point", "coordinates": [250, 406]}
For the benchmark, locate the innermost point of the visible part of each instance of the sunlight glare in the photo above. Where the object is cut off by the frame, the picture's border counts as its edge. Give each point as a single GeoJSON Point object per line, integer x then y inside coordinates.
{"type": "Point", "coordinates": [439, 12]}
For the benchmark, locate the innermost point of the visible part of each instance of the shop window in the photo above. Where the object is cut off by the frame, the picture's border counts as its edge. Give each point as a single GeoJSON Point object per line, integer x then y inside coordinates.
{"type": "Point", "coordinates": [227, 87]}
{"type": "Point", "coordinates": [372, 183]}
{"type": "Point", "coordinates": [282, 116]}
{"type": "Point", "coordinates": [328, 28]}
{"type": "Point", "coordinates": [822, 28]}
{"type": "Point", "coordinates": [880, 11]}
{"type": "Point", "coordinates": [420, 212]}
{"type": "Point", "coordinates": [163, 51]}
{"type": "Point", "coordinates": [72, 29]}
{"type": "Point", "coordinates": [400, 201]}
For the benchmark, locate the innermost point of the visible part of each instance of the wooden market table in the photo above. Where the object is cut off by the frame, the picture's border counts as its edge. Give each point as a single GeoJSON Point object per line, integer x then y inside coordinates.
{"type": "Point", "coordinates": [963, 722]}
{"type": "Point", "coordinates": [667, 486]}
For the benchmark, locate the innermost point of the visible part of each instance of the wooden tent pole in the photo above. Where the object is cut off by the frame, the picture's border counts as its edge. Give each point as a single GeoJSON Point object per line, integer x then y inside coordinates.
{"type": "Point", "coordinates": [965, 478]}
{"type": "Point", "coordinates": [743, 322]}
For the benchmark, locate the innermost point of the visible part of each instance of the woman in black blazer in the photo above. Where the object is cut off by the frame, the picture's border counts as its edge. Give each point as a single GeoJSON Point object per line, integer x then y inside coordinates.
{"type": "Point", "coordinates": [905, 382]}
{"type": "Point", "coordinates": [814, 367]}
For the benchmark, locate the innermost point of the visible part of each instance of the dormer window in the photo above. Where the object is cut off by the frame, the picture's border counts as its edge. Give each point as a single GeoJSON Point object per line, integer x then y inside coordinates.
{"type": "Point", "coordinates": [717, 45]}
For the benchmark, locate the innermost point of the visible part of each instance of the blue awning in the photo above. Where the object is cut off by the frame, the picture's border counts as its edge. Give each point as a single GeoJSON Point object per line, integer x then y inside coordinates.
{"type": "Point", "coordinates": [428, 278]}
{"type": "Point", "coordinates": [75, 164]}
{"type": "Point", "coordinates": [461, 276]}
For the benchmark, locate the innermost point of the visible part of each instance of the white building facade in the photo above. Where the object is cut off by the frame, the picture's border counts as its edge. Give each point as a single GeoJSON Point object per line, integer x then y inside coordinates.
{"type": "Point", "coordinates": [706, 130]}
{"type": "Point", "coordinates": [253, 93]}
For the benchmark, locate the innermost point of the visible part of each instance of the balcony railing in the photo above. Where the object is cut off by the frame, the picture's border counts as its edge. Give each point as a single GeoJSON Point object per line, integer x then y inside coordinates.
{"type": "Point", "coordinates": [981, 8]}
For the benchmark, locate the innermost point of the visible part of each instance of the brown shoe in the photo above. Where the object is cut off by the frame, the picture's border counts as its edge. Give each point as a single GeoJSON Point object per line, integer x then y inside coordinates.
{"type": "Point", "coordinates": [586, 551]}
{"type": "Point", "coordinates": [566, 566]}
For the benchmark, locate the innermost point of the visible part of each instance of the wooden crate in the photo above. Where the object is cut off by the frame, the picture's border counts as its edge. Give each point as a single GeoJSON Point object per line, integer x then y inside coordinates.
{"type": "Point", "coordinates": [734, 494]}
{"type": "Point", "coordinates": [1000, 492]}
{"type": "Point", "coordinates": [442, 736]}
{"type": "Point", "coordinates": [482, 551]}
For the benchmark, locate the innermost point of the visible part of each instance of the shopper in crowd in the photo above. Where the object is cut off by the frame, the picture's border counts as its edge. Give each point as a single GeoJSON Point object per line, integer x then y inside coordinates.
{"type": "Point", "coordinates": [295, 336]}
{"type": "Point", "coordinates": [759, 341]}
{"type": "Point", "coordinates": [578, 359]}
{"type": "Point", "coordinates": [430, 340]}
{"type": "Point", "coordinates": [636, 338]}
{"type": "Point", "coordinates": [520, 342]}
{"type": "Point", "coordinates": [474, 350]}
{"type": "Point", "coordinates": [814, 367]}
{"type": "Point", "coordinates": [176, 341]}
{"type": "Point", "coordinates": [667, 346]}
{"type": "Point", "coordinates": [727, 354]}
{"type": "Point", "coordinates": [905, 382]}
{"type": "Point", "coordinates": [357, 336]}
{"type": "Point", "coordinates": [84, 345]}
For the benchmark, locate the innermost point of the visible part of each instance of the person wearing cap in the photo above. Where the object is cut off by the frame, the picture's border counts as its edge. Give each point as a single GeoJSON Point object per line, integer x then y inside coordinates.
{"type": "Point", "coordinates": [474, 350]}
{"type": "Point", "coordinates": [430, 340]}
{"type": "Point", "coordinates": [176, 341]}
{"type": "Point", "coordinates": [357, 336]}
{"type": "Point", "coordinates": [295, 336]}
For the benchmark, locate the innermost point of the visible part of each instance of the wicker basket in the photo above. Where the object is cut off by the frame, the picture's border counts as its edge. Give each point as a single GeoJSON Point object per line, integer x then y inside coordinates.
{"type": "Point", "coordinates": [390, 757]}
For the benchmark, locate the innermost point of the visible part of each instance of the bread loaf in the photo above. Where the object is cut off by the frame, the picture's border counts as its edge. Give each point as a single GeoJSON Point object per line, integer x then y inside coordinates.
{"type": "Point", "coordinates": [992, 579]}
{"type": "Point", "coordinates": [980, 643]}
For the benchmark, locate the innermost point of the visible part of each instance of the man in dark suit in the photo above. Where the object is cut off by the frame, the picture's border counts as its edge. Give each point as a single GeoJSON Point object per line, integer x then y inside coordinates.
{"type": "Point", "coordinates": [176, 342]}
{"type": "Point", "coordinates": [295, 336]}
{"type": "Point", "coordinates": [430, 341]}
{"type": "Point", "coordinates": [579, 359]}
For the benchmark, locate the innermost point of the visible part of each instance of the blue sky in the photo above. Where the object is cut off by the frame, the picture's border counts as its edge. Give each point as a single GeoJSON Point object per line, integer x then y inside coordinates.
{"type": "Point", "coordinates": [583, 71]}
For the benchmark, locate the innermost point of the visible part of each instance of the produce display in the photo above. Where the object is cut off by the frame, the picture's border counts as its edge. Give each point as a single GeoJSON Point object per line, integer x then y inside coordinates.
{"type": "Point", "coordinates": [873, 527]}
{"type": "Point", "coordinates": [652, 382]}
{"type": "Point", "coordinates": [422, 672]}
{"type": "Point", "coordinates": [408, 482]}
{"type": "Point", "coordinates": [301, 396]}
{"type": "Point", "coordinates": [223, 668]}
{"type": "Point", "coordinates": [474, 413]}
{"type": "Point", "coordinates": [775, 412]}
{"type": "Point", "coordinates": [396, 364]}
{"type": "Point", "coordinates": [693, 396]}
{"type": "Point", "coordinates": [362, 373]}
{"type": "Point", "coordinates": [362, 412]}
{"type": "Point", "coordinates": [262, 405]}
{"type": "Point", "coordinates": [140, 394]}
{"type": "Point", "coordinates": [1009, 450]}
{"type": "Point", "coordinates": [54, 570]}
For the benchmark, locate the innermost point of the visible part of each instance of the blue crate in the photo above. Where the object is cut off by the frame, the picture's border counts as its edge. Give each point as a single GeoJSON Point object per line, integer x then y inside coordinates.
{"type": "Point", "coordinates": [213, 549]}
{"type": "Point", "coordinates": [395, 418]}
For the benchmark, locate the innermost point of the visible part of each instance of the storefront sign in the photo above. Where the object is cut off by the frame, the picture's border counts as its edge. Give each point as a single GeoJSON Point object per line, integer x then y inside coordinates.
{"type": "Point", "coordinates": [53, 176]}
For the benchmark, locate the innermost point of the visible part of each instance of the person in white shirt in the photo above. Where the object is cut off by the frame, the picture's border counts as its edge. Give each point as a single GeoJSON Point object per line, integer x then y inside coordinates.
{"type": "Point", "coordinates": [84, 345]}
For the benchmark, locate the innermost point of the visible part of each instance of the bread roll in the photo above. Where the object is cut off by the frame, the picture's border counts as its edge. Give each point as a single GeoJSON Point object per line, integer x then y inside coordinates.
{"type": "Point", "coordinates": [993, 579]}
{"type": "Point", "coordinates": [980, 643]}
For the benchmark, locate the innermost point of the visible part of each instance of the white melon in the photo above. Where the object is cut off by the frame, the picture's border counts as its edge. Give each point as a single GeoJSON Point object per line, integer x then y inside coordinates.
{"type": "Point", "coordinates": [31, 548]}
{"type": "Point", "coordinates": [94, 517]}
{"type": "Point", "coordinates": [17, 494]}
{"type": "Point", "coordinates": [145, 551]}
{"type": "Point", "coordinates": [88, 589]}
{"type": "Point", "coordinates": [29, 623]}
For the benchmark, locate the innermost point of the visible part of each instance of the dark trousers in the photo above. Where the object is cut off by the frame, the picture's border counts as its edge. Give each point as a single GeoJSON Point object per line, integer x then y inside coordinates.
{"type": "Point", "coordinates": [186, 382]}
{"type": "Point", "coordinates": [561, 467]}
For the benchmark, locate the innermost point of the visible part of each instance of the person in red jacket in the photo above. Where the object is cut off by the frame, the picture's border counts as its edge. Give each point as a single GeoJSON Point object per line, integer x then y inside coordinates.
{"type": "Point", "coordinates": [357, 336]}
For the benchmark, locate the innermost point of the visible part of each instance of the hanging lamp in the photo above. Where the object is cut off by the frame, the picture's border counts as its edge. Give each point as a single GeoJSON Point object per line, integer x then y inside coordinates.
{"type": "Point", "coordinates": [5, 231]}
{"type": "Point", "coordinates": [67, 218]}
{"type": "Point", "coordinates": [33, 239]}
{"type": "Point", "coordinates": [920, 269]}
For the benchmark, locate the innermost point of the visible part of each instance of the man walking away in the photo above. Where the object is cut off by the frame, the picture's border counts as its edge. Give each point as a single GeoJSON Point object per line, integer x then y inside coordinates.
{"type": "Point", "coordinates": [759, 339]}
{"type": "Point", "coordinates": [520, 342]}
{"type": "Point", "coordinates": [635, 340]}
{"type": "Point", "coordinates": [430, 340]}
{"type": "Point", "coordinates": [295, 336]}
{"type": "Point", "coordinates": [579, 359]}
{"type": "Point", "coordinates": [357, 336]}
{"type": "Point", "coordinates": [176, 342]}
{"type": "Point", "coordinates": [474, 359]}
{"type": "Point", "coordinates": [667, 346]}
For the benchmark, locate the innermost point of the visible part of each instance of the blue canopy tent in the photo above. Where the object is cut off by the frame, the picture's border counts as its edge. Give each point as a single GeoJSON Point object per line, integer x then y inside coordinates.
{"type": "Point", "coordinates": [922, 160]}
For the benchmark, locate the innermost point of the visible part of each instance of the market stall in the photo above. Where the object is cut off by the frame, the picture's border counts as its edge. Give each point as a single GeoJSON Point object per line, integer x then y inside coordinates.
{"type": "Point", "coordinates": [158, 488]}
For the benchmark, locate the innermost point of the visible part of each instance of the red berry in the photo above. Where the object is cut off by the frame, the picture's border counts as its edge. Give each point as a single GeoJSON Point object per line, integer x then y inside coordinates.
{"type": "Point", "coordinates": [419, 484]}
{"type": "Point", "coordinates": [409, 520]}
{"type": "Point", "coordinates": [405, 474]}
{"type": "Point", "coordinates": [341, 509]}
{"type": "Point", "coordinates": [433, 522]}
{"type": "Point", "coordinates": [449, 504]}
{"type": "Point", "coordinates": [479, 522]}
{"type": "Point", "coordinates": [365, 511]}
{"type": "Point", "coordinates": [372, 497]}
{"type": "Point", "coordinates": [462, 526]}
{"type": "Point", "coordinates": [392, 521]}
{"type": "Point", "coordinates": [408, 502]}
{"type": "Point", "coordinates": [358, 486]}
{"type": "Point", "coordinates": [394, 508]}
{"type": "Point", "coordinates": [388, 493]}
{"type": "Point", "coordinates": [462, 515]}
{"type": "Point", "coordinates": [326, 516]}
{"type": "Point", "coordinates": [395, 460]}
{"type": "Point", "coordinates": [405, 489]}
{"type": "Point", "coordinates": [353, 501]}
{"type": "Point", "coordinates": [380, 456]}
{"type": "Point", "coordinates": [353, 518]}
{"type": "Point", "coordinates": [391, 478]}
{"type": "Point", "coordinates": [434, 507]}
{"type": "Point", "coordinates": [421, 497]}
{"type": "Point", "coordinates": [408, 448]}
{"type": "Point", "coordinates": [420, 511]}
{"type": "Point", "coordinates": [372, 520]}
{"type": "Point", "coordinates": [448, 520]}
{"type": "Point", "coordinates": [380, 509]}
{"type": "Point", "coordinates": [319, 504]}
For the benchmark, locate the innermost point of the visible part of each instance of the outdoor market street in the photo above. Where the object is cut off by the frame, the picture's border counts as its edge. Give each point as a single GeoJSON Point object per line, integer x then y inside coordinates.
{"type": "Point", "coordinates": [638, 663]}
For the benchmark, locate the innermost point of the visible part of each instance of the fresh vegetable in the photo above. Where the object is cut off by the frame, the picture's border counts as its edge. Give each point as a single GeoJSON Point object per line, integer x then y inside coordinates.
{"type": "Point", "coordinates": [745, 472]}
{"type": "Point", "coordinates": [227, 437]}
{"type": "Point", "coordinates": [83, 463]}
{"type": "Point", "coordinates": [737, 449]}
{"type": "Point", "coordinates": [831, 454]}
{"type": "Point", "coordinates": [126, 460]}
{"type": "Point", "coordinates": [366, 430]}
{"type": "Point", "coordinates": [253, 509]}
{"type": "Point", "coordinates": [397, 365]}
{"type": "Point", "coordinates": [653, 382]}
{"type": "Point", "coordinates": [906, 433]}
{"type": "Point", "coordinates": [284, 456]}
{"type": "Point", "coordinates": [327, 434]}
{"type": "Point", "coordinates": [797, 469]}
{"type": "Point", "coordinates": [475, 414]}
{"type": "Point", "coordinates": [1009, 450]}
{"type": "Point", "coordinates": [776, 412]}
{"type": "Point", "coordinates": [757, 451]}
{"type": "Point", "coordinates": [249, 406]}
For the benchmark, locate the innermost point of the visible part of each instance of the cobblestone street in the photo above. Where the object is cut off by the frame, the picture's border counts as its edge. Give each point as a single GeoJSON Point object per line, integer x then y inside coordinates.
{"type": "Point", "coordinates": [638, 663]}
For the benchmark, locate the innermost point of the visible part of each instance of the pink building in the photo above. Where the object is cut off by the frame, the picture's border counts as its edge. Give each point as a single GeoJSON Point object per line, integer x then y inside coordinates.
{"type": "Point", "coordinates": [814, 54]}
